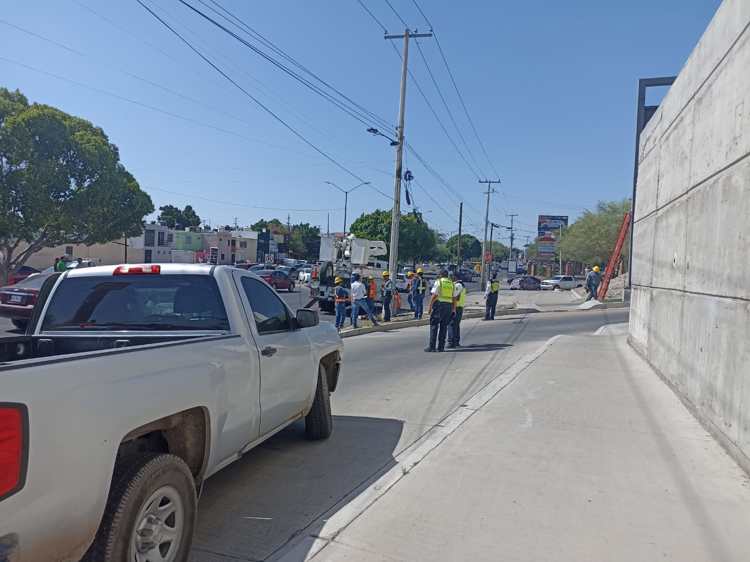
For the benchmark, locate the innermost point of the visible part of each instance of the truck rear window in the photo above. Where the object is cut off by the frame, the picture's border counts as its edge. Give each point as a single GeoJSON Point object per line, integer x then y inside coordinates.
{"type": "Point", "coordinates": [136, 302]}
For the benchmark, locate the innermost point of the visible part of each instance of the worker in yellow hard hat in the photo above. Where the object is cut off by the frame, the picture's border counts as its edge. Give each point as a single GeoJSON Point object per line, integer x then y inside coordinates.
{"type": "Point", "coordinates": [341, 297]}
{"type": "Point", "coordinates": [592, 282]}
{"type": "Point", "coordinates": [409, 283]}
{"type": "Point", "coordinates": [386, 293]}
{"type": "Point", "coordinates": [418, 290]}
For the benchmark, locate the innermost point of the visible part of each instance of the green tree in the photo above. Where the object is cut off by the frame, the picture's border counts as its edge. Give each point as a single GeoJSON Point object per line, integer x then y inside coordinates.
{"type": "Point", "coordinates": [500, 251]}
{"type": "Point", "coordinates": [471, 247]}
{"type": "Point", "coordinates": [304, 241]}
{"type": "Point", "coordinates": [61, 182]}
{"type": "Point", "coordinates": [274, 225]}
{"type": "Point", "coordinates": [416, 240]}
{"type": "Point", "coordinates": [592, 237]}
{"type": "Point", "coordinates": [173, 217]}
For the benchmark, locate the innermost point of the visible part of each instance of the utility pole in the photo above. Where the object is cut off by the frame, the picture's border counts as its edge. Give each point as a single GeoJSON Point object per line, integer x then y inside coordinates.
{"type": "Point", "coordinates": [328, 224]}
{"type": "Point", "coordinates": [460, 223]}
{"type": "Point", "coordinates": [483, 269]}
{"type": "Point", "coordinates": [512, 236]}
{"type": "Point", "coordinates": [396, 212]}
{"type": "Point", "coordinates": [559, 249]}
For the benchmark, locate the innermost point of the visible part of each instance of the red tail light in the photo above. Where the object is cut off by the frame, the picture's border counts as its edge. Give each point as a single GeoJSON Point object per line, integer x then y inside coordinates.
{"type": "Point", "coordinates": [13, 448]}
{"type": "Point", "coordinates": [314, 273]}
{"type": "Point", "coordinates": [137, 270]}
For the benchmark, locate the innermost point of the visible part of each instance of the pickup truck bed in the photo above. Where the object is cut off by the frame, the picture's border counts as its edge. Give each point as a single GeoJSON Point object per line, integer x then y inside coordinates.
{"type": "Point", "coordinates": [115, 400]}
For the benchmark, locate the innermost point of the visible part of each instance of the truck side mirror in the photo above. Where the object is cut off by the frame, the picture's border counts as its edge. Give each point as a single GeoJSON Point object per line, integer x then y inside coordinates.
{"type": "Point", "coordinates": [307, 318]}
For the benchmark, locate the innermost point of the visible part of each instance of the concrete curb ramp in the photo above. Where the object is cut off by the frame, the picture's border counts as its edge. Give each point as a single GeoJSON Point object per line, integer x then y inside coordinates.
{"type": "Point", "coordinates": [334, 522]}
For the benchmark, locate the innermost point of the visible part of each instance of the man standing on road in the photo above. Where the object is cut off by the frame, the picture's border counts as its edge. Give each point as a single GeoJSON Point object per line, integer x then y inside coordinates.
{"type": "Point", "coordinates": [386, 292]}
{"type": "Point", "coordinates": [441, 308]}
{"type": "Point", "coordinates": [409, 283]}
{"type": "Point", "coordinates": [454, 328]}
{"type": "Point", "coordinates": [490, 296]}
{"type": "Point", "coordinates": [592, 283]}
{"type": "Point", "coordinates": [341, 297]}
{"type": "Point", "coordinates": [418, 289]}
{"type": "Point", "coordinates": [359, 300]}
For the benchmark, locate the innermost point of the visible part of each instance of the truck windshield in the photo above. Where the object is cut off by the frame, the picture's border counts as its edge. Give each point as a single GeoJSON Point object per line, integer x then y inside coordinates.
{"type": "Point", "coordinates": [136, 302]}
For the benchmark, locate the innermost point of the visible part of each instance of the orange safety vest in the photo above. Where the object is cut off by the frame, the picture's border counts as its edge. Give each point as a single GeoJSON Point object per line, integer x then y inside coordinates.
{"type": "Point", "coordinates": [373, 289]}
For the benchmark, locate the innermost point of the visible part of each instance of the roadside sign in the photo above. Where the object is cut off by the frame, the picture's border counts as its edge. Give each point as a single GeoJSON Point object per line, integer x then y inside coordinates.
{"type": "Point", "coordinates": [487, 257]}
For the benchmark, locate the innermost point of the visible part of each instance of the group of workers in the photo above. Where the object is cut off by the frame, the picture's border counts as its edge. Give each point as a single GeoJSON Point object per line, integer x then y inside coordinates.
{"type": "Point", "coordinates": [446, 305]}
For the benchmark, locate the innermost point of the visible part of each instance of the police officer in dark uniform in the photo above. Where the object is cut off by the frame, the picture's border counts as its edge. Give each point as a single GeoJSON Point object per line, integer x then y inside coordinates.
{"type": "Point", "coordinates": [441, 309]}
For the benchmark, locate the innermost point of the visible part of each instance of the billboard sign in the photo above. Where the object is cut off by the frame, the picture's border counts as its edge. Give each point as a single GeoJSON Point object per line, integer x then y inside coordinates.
{"type": "Point", "coordinates": [550, 224]}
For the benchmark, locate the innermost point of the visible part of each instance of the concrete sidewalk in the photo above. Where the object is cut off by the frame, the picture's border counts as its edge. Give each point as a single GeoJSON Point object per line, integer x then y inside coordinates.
{"type": "Point", "coordinates": [582, 455]}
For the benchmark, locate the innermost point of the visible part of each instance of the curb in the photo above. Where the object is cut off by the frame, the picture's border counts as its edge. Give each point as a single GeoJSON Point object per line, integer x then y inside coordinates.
{"type": "Point", "coordinates": [332, 523]}
{"type": "Point", "coordinates": [388, 326]}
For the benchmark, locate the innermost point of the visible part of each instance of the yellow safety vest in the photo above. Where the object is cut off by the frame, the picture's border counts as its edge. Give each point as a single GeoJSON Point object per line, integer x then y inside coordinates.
{"type": "Point", "coordinates": [462, 298]}
{"type": "Point", "coordinates": [495, 286]}
{"type": "Point", "coordinates": [445, 290]}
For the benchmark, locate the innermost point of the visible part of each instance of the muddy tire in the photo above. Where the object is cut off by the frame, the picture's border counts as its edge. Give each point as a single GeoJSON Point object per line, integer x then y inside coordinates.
{"type": "Point", "coordinates": [319, 421]}
{"type": "Point", "coordinates": [151, 507]}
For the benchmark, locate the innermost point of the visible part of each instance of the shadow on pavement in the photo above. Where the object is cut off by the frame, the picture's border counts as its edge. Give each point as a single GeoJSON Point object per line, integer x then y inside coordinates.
{"type": "Point", "coordinates": [257, 504]}
{"type": "Point", "coordinates": [479, 347]}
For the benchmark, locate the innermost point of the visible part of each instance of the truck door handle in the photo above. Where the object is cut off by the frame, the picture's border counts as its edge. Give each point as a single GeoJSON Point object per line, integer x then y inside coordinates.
{"type": "Point", "coordinates": [268, 351]}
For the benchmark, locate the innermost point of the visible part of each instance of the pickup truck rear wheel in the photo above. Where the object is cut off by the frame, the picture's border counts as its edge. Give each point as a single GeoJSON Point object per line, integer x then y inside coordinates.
{"type": "Point", "coordinates": [150, 513]}
{"type": "Point", "coordinates": [319, 421]}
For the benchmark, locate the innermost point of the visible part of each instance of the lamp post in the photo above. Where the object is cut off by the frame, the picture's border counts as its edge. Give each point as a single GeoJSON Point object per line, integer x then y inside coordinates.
{"type": "Point", "coordinates": [346, 193]}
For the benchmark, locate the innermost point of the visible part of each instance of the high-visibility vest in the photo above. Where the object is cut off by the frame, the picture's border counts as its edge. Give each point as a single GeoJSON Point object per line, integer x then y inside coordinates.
{"type": "Point", "coordinates": [495, 286]}
{"type": "Point", "coordinates": [373, 291]}
{"type": "Point", "coordinates": [445, 290]}
{"type": "Point", "coordinates": [462, 298]}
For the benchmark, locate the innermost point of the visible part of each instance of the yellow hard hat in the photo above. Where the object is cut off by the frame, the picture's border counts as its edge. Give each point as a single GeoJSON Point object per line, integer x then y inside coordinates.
{"type": "Point", "coordinates": [420, 270]}
{"type": "Point", "coordinates": [338, 280]}
{"type": "Point", "coordinates": [410, 274]}
{"type": "Point", "coordinates": [596, 268]}
{"type": "Point", "coordinates": [386, 274]}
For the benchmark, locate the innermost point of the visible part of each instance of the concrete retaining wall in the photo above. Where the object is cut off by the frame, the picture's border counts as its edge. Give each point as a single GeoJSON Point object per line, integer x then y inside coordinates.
{"type": "Point", "coordinates": [690, 311]}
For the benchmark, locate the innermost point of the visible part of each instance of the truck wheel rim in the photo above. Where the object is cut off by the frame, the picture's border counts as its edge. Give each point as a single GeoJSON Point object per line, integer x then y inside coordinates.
{"type": "Point", "coordinates": [159, 527]}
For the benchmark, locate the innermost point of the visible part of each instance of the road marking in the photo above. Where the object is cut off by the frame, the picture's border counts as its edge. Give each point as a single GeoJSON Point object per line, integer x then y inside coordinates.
{"type": "Point", "coordinates": [307, 546]}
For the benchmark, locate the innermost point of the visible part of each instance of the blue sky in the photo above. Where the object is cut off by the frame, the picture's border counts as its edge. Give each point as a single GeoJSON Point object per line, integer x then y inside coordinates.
{"type": "Point", "coordinates": [551, 87]}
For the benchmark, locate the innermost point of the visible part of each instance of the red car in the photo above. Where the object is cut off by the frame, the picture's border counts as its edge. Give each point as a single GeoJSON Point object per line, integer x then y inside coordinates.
{"type": "Point", "coordinates": [277, 279]}
{"type": "Point", "coordinates": [23, 272]}
{"type": "Point", "coordinates": [17, 301]}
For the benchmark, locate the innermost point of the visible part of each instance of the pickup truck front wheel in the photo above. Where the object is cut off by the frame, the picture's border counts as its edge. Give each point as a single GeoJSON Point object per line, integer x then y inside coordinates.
{"type": "Point", "coordinates": [150, 513]}
{"type": "Point", "coordinates": [319, 421]}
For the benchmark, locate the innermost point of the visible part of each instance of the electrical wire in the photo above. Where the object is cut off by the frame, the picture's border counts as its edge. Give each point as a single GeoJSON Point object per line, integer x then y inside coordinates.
{"type": "Point", "coordinates": [230, 204]}
{"type": "Point", "coordinates": [458, 91]}
{"type": "Point", "coordinates": [397, 14]}
{"type": "Point", "coordinates": [377, 21]}
{"type": "Point", "coordinates": [253, 98]}
{"type": "Point", "coordinates": [479, 174]}
{"type": "Point", "coordinates": [355, 110]}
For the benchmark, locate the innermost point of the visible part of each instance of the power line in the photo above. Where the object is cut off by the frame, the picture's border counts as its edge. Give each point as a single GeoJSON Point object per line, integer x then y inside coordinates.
{"type": "Point", "coordinates": [253, 98]}
{"type": "Point", "coordinates": [143, 105]}
{"type": "Point", "coordinates": [354, 110]}
{"type": "Point", "coordinates": [458, 91]}
{"type": "Point", "coordinates": [397, 14]}
{"type": "Point", "coordinates": [450, 113]}
{"type": "Point", "coordinates": [377, 21]}
{"type": "Point", "coordinates": [230, 204]}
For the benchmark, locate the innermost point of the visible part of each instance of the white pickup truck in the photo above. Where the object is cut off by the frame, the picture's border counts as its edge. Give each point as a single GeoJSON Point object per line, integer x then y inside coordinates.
{"type": "Point", "coordinates": [134, 384]}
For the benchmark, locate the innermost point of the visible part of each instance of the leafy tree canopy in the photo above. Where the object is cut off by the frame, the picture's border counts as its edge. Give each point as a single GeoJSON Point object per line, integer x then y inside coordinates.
{"type": "Point", "coordinates": [61, 182]}
{"type": "Point", "coordinates": [173, 217]}
{"type": "Point", "coordinates": [304, 241]}
{"type": "Point", "coordinates": [274, 225]}
{"type": "Point", "coordinates": [417, 241]}
{"type": "Point", "coordinates": [471, 247]}
{"type": "Point", "coordinates": [592, 237]}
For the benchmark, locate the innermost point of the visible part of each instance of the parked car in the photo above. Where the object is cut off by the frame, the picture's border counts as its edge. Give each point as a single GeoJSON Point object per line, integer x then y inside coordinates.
{"type": "Point", "coordinates": [561, 282]}
{"type": "Point", "coordinates": [17, 301]}
{"type": "Point", "coordinates": [22, 273]}
{"type": "Point", "coordinates": [134, 385]}
{"type": "Point", "coordinates": [304, 274]}
{"type": "Point", "coordinates": [525, 283]}
{"type": "Point", "coordinates": [277, 279]}
{"type": "Point", "coordinates": [260, 267]}
{"type": "Point", "coordinates": [291, 271]}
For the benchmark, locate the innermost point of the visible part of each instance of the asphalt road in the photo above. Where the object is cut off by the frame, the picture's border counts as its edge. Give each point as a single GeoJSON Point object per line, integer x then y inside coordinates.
{"type": "Point", "coordinates": [390, 393]}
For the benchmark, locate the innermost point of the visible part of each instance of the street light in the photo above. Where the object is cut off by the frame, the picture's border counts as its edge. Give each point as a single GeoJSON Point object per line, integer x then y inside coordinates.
{"type": "Point", "coordinates": [375, 132]}
{"type": "Point", "coordinates": [346, 193]}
